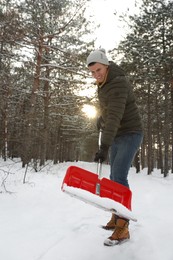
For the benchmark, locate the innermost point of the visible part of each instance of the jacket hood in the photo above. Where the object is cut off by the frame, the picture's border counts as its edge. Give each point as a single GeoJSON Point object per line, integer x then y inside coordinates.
{"type": "Point", "coordinates": [114, 71]}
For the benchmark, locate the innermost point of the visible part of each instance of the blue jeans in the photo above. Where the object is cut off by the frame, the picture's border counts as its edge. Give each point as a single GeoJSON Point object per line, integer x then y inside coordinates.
{"type": "Point", "coordinates": [122, 152]}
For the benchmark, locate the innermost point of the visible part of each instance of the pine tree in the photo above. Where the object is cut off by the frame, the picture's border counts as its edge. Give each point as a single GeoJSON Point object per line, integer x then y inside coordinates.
{"type": "Point", "coordinates": [147, 57]}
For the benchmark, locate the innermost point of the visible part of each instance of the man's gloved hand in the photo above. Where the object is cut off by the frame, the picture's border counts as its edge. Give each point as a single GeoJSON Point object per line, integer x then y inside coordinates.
{"type": "Point", "coordinates": [102, 154]}
{"type": "Point", "coordinates": [100, 123]}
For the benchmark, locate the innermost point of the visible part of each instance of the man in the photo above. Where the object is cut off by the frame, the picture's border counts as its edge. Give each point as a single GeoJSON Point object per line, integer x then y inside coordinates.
{"type": "Point", "coordinates": [122, 129]}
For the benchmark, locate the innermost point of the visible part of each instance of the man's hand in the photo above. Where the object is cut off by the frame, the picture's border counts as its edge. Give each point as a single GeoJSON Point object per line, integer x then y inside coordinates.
{"type": "Point", "coordinates": [100, 123]}
{"type": "Point", "coordinates": [102, 154]}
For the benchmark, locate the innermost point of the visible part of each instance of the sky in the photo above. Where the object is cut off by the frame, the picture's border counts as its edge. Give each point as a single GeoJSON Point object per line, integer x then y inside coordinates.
{"type": "Point", "coordinates": [111, 30]}
{"type": "Point", "coordinates": [40, 222]}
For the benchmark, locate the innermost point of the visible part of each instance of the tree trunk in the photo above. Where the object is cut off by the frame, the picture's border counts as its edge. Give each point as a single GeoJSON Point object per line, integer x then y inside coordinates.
{"type": "Point", "coordinates": [30, 118]}
{"type": "Point", "coordinates": [46, 120]}
{"type": "Point", "coordinates": [172, 125]}
{"type": "Point", "coordinates": [149, 133]}
{"type": "Point", "coordinates": [166, 133]}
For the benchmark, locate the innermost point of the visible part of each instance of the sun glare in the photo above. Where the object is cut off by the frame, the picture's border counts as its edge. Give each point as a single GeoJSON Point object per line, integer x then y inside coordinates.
{"type": "Point", "coordinates": [89, 110]}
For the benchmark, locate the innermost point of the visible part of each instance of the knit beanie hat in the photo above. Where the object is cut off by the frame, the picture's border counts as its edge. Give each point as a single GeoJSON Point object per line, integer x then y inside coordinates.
{"type": "Point", "coordinates": [98, 56]}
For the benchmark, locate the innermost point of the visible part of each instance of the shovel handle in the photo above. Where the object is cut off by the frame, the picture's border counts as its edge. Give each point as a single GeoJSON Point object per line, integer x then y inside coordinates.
{"type": "Point", "coordinates": [100, 138]}
{"type": "Point", "coordinates": [99, 166]}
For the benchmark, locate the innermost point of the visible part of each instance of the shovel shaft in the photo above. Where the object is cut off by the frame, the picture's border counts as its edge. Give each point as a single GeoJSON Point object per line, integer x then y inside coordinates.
{"type": "Point", "coordinates": [99, 165]}
{"type": "Point", "coordinates": [99, 169]}
{"type": "Point", "coordinates": [100, 138]}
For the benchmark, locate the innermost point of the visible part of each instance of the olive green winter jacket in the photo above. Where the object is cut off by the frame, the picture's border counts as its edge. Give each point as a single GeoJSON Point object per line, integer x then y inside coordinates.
{"type": "Point", "coordinates": [117, 104]}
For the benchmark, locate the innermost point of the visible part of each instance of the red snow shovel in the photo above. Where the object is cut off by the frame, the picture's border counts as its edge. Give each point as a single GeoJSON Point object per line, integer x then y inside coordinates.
{"type": "Point", "coordinates": [82, 179]}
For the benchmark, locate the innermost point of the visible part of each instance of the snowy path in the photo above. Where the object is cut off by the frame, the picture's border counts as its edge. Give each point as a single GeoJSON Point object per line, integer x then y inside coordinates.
{"type": "Point", "coordinates": [39, 222]}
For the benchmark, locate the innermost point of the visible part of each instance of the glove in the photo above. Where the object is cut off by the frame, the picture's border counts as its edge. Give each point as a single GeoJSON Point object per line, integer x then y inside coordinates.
{"type": "Point", "coordinates": [102, 154]}
{"type": "Point", "coordinates": [100, 123]}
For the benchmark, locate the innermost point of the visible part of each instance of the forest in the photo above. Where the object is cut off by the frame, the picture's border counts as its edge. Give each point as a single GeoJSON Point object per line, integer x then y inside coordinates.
{"type": "Point", "coordinates": [43, 51]}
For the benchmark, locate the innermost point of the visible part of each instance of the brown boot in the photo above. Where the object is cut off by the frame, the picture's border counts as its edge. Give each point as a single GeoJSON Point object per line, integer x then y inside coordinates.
{"type": "Point", "coordinates": [111, 224]}
{"type": "Point", "coordinates": [120, 234]}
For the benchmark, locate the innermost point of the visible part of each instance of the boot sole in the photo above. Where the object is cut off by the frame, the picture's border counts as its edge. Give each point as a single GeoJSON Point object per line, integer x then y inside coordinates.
{"type": "Point", "coordinates": [109, 242]}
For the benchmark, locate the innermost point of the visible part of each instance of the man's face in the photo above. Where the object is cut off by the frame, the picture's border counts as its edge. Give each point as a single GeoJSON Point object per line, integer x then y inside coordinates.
{"type": "Point", "coordinates": [98, 71]}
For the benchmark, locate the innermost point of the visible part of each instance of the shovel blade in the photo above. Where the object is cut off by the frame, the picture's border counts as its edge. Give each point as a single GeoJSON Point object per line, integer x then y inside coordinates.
{"type": "Point", "coordinates": [80, 178]}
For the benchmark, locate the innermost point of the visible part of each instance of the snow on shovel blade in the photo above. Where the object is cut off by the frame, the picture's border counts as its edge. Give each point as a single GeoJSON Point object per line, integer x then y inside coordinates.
{"type": "Point", "coordinates": [85, 180]}
{"type": "Point", "coordinates": [100, 202]}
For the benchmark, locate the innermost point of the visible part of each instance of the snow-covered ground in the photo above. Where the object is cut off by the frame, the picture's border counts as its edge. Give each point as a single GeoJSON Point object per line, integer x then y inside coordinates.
{"type": "Point", "coordinates": [40, 222]}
